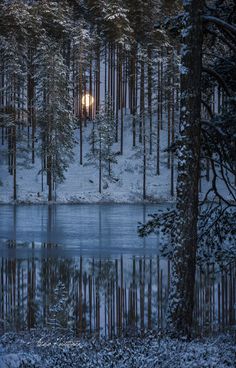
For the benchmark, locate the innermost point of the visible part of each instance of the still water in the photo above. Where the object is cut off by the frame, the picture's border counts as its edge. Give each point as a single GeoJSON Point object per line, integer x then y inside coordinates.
{"type": "Point", "coordinates": [84, 268]}
{"type": "Point", "coordinates": [78, 229]}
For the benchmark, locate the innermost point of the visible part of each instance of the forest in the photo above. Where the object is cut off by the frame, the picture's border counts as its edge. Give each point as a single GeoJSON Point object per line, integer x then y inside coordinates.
{"type": "Point", "coordinates": [118, 181]}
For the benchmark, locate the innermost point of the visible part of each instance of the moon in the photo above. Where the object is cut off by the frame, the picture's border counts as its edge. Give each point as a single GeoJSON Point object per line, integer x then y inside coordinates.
{"type": "Point", "coordinates": [87, 100]}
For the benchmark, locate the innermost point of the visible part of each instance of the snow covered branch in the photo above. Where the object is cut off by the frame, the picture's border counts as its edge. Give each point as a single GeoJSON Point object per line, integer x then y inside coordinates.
{"type": "Point", "coordinates": [220, 22]}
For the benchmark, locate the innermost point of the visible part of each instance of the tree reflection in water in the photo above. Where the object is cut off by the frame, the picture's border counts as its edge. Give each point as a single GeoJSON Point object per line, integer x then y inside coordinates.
{"type": "Point", "coordinates": [124, 295]}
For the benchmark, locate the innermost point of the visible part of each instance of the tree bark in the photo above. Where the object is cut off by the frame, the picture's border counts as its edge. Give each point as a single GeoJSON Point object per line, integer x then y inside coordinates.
{"type": "Point", "coordinates": [81, 113]}
{"type": "Point", "coordinates": [181, 297]}
{"type": "Point", "coordinates": [150, 97]}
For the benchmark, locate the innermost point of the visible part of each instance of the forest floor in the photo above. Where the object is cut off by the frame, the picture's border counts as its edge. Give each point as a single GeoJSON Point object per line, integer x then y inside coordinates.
{"type": "Point", "coordinates": [81, 181]}
{"type": "Point", "coordinates": [54, 349]}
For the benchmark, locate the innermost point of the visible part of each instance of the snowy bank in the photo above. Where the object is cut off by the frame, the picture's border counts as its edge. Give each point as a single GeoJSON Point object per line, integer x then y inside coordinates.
{"type": "Point", "coordinates": [51, 349]}
{"type": "Point", "coordinates": [89, 198]}
{"type": "Point", "coordinates": [81, 184]}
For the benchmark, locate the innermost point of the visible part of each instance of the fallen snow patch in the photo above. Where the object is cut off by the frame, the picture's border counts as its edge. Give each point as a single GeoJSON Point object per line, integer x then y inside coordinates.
{"type": "Point", "coordinates": [52, 349]}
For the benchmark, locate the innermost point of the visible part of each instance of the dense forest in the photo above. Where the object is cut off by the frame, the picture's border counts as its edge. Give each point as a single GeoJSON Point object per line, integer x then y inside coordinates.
{"type": "Point", "coordinates": [103, 62]}
{"type": "Point", "coordinates": [82, 76]}
{"type": "Point", "coordinates": [125, 101]}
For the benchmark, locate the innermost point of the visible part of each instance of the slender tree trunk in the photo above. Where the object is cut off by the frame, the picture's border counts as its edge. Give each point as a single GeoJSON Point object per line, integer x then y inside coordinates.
{"type": "Point", "coordinates": [172, 131]}
{"type": "Point", "coordinates": [158, 121]}
{"type": "Point", "coordinates": [84, 83]}
{"type": "Point", "coordinates": [133, 92]}
{"type": "Point", "coordinates": [81, 113]}
{"type": "Point", "coordinates": [100, 164]}
{"type": "Point", "coordinates": [121, 101]}
{"type": "Point", "coordinates": [143, 126]}
{"type": "Point", "coordinates": [161, 89]}
{"type": "Point", "coordinates": [168, 93]}
{"type": "Point", "coordinates": [14, 139]}
{"type": "Point", "coordinates": [150, 97]}
{"type": "Point", "coordinates": [181, 297]}
{"type": "Point", "coordinates": [98, 81]}
{"type": "Point", "coordinates": [2, 95]}
{"type": "Point", "coordinates": [31, 97]}
{"type": "Point", "coordinates": [105, 73]}
{"type": "Point", "coordinates": [90, 90]}
{"type": "Point", "coordinates": [141, 99]}
{"type": "Point", "coordinates": [113, 100]}
{"type": "Point", "coordinates": [125, 82]}
{"type": "Point", "coordinates": [144, 157]}
{"type": "Point", "coordinates": [49, 177]}
{"type": "Point", "coordinates": [112, 69]}
{"type": "Point", "coordinates": [117, 93]}
{"type": "Point", "coordinates": [14, 162]}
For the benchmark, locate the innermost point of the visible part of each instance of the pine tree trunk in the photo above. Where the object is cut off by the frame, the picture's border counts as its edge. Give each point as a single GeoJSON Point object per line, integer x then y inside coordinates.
{"type": "Point", "coordinates": [125, 82]}
{"type": "Point", "coordinates": [98, 80]}
{"type": "Point", "coordinates": [90, 90]}
{"type": "Point", "coordinates": [181, 297]}
{"type": "Point", "coordinates": [84, 83]}
{"type": "Point", "coordinates": [121, 100]}
{"type": "Point", "coordinates": [141, 100]}
{"type": "Point", "coordinates": [100, 164]}
{"type": "Point", "coordinates": [49, 158]}
{"type": "Point", "coordinates": [161, 89]}
{"type": "Point", "coordinates": [133, 92]}
{"type": "Point", "coordinates": [117, 93]}
{"type": "Point", "coordinates": [144, 157]}
{"type": "Point", "coordinates": [14, 140]}
{"type": "Point", "coordinates": [14, 162]}
{"type": "Point", "coordinates": [31, 97]}
{"type": "Point", "coordinates": [105, 73]}
{"type": "Point", "coordinates": [113, 100]}
{"type": "Point", "coordinates": [172, 131]}
{"type": "Point", "coordinates": [143, 126]}
{"type": "Point", "coordinates": [49, 177]}
{"type": "Point", "coordinates": [158, 121]}
{"type": "Point", "coordinates": [150, 97]}
{"type": "Point", "coordinates": [168, 121]}
{"type": "Point", "coordinates": [80, 113]}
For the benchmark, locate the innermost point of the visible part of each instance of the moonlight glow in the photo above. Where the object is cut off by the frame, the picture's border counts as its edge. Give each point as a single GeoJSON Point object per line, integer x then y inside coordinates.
{"type": "Point", "coordinates": [87, 100]}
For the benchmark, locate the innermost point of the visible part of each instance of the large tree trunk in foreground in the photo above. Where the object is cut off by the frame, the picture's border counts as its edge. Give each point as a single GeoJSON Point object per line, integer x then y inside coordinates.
{"type": "Point", "coordinates": [181, 298]}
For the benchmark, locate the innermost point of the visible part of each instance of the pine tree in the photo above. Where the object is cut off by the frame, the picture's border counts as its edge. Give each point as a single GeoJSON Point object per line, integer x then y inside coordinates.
{"type": "Point", "coordinates": [102, 139]}
{"type": "Point", "coordinates": [181, 297]}
{"type": "Point", "coordinates": [13, 69]}
{"type": "Point", "coordinates": [54, 113]}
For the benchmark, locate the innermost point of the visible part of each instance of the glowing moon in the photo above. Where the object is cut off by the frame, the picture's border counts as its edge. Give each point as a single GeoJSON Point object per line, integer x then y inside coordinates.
{"type": "Point", "coordinates": [87, 100]}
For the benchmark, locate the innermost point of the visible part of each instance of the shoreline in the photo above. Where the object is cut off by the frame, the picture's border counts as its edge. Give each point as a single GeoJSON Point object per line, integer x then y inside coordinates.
{"type": "Point", "coordinates": [99, 202]}
{"type": "Point", "coordinates": [104, 202]}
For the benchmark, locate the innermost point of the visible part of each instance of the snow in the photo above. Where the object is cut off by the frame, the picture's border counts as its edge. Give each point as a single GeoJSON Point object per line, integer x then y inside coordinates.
{"type": "Point", "coordinates": [18, 360]}
{"type": "Point", "coordinates": [183, 70]}
{"type": "Point", "coordinates": [81, 181]}
{"type": "Point", "coordinates": [53, 349]}
{"type": "Point", "coordinates": [81, 184]}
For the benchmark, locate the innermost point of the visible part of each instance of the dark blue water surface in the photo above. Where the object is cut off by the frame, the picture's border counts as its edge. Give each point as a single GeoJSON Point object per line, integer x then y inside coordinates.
{"type": "Point", "coordinates": [93, 229]}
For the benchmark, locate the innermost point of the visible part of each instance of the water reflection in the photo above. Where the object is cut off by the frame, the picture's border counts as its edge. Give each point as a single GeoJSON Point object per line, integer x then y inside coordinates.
{"type": "Point", "coordinates": [110, 295]}
{"type": "Point", "coordinates": [87, 228]}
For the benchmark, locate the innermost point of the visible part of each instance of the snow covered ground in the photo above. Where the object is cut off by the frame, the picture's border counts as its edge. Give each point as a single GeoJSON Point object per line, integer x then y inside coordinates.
{"type": "Point", "coordinates": [44, 349]}
{"type": "Point", "coordinates": [81, 183]}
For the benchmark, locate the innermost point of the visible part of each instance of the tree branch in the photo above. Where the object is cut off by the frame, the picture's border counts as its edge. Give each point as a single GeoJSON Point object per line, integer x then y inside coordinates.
{"type": "Point", "coordinates": [221, 23]}
{"type": "Point", "coordinates": [209, 110]}
{"type": "Point", "coordinates": [222, 38]}
{"type": "Point", "coordinates": [218, 77]}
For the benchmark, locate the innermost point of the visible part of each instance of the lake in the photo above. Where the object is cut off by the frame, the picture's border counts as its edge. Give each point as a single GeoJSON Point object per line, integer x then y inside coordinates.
{"type": "Point", "coordinates": [84, 268]}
